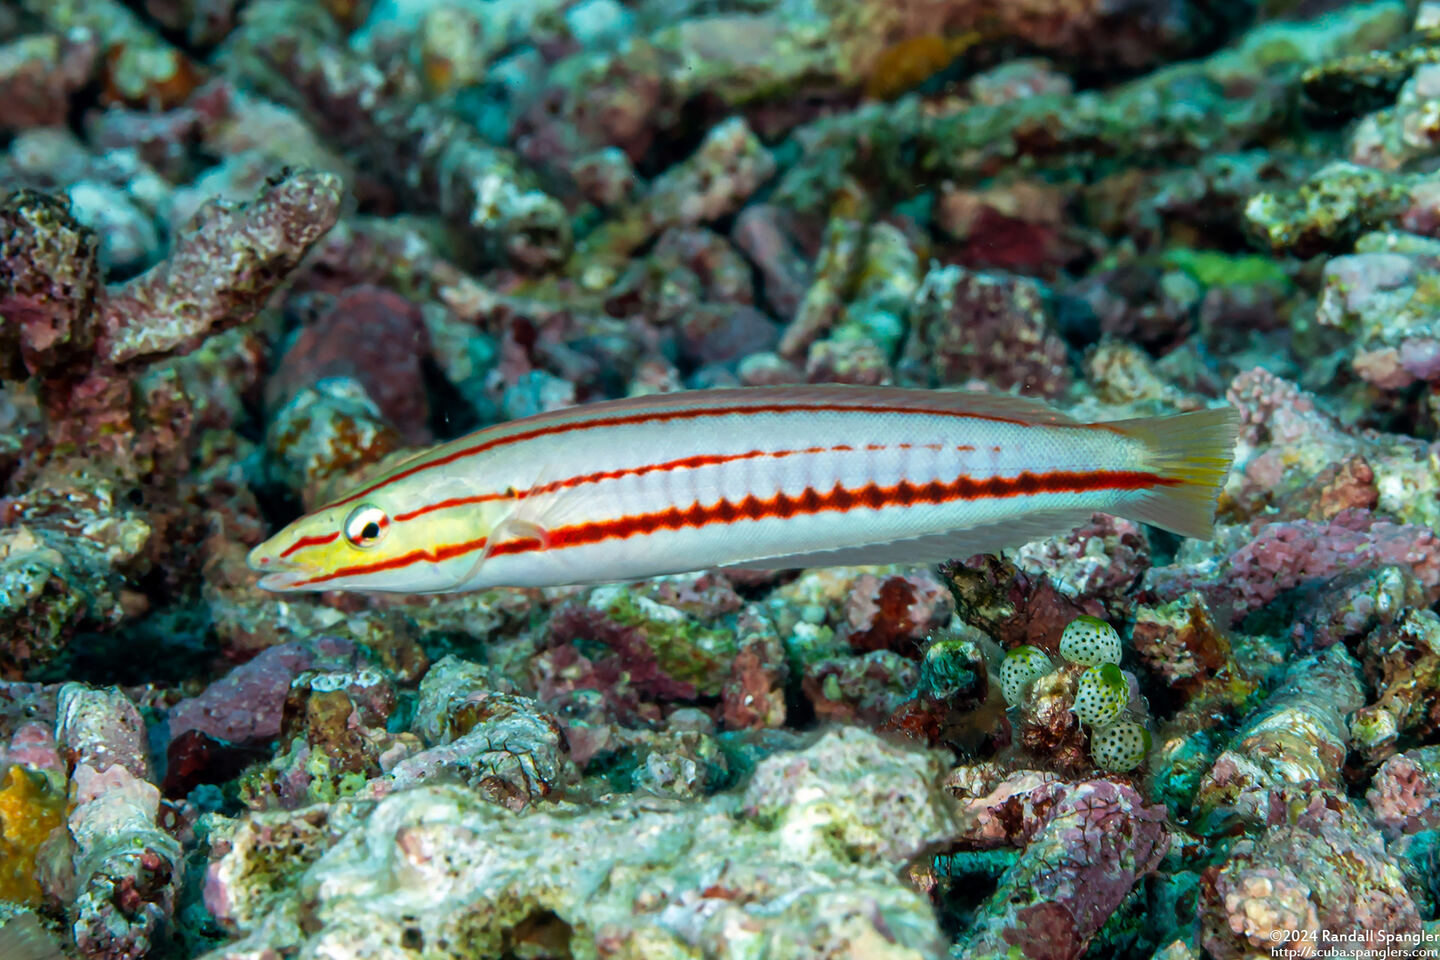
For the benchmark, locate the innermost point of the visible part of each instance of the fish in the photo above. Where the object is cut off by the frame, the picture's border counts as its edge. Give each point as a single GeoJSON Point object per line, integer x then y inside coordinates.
{"type": "Point", "coordinates": [748, 477]}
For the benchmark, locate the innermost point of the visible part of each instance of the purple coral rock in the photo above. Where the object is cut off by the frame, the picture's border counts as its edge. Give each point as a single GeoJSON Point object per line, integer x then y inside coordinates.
{"type": "Point", "coordinates": [40, 73]}
{"type": "Point", "coordinates": [895, 613]}
{"type": "Point", "coordinates": [723, 332]}
{"type": "Point", "coordinates": [246, 705]}
{"type": "Point", "coordinates": [375, 337]}
{"type": "Point", "coordinates": [1241, 572]}
{"type": "Point", "coordinates": [1138, 302]}
{"type": "Point", "coordinates": [1318, 872]}
{"type": "Point", "coordinates": [764, 233]}
{"type": "Point", "coordinates": [33, 745]}
{"type": "Point", "coordinates": [1103, 558]}
{"type": "Point", "coordinates": [221, 272]}
{"type": "Point", "coordinates": [993, 327]}
{"type": "Point", "coordinates": [1404, 796]}
{"type": "Point", "coordinates": [1097, 842]}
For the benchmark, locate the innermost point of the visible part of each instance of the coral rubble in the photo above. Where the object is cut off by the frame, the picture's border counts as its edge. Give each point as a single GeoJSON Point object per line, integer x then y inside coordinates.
{"type": "Point", "coordinates": [255, 253]}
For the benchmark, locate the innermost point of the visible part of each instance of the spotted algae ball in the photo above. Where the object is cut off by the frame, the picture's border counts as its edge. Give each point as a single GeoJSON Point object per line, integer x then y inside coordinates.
{"type": "Point", "coordinates": [1101, 695]}
{"type": "Point", "coordinates": [1022, 667]}
{"type": "Point", "coordinates": [1120, 746]}
{"type": "Point", "coordinates": [1091, 641]}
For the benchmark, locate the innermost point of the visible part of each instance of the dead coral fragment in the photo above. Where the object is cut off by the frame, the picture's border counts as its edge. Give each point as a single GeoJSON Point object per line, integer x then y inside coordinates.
{"type": "Point", "coordinates": [125, 868]}
{"type": "Point", "coordinates": [221, 272]}
{"type": "Point", "coordinates": [810, 853]}
{"type": "Point", "coordinates": [1098, 841]}
{"type": "Point", "coordinates": [39, 74]}
{"type": "Point", "coordinates": [49, 286]}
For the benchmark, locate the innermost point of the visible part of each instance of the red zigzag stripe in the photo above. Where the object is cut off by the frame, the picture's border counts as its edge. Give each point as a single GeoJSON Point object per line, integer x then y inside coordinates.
{"type": "Point", "coordinates": [782, 506]}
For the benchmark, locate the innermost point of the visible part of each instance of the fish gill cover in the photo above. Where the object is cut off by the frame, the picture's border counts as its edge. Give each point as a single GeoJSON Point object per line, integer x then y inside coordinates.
{"type": "Point", "coordinates": [254, 254]}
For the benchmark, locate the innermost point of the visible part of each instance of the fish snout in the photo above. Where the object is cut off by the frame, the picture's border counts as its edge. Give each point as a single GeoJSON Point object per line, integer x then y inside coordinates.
{"type": "Point", "coordinates": [279, 573]}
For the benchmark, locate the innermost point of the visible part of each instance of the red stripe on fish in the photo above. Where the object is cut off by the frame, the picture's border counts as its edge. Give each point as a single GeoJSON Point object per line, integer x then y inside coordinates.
{"type": "Point", "coordinates": [840, 499]}
{"type": "Point", "coordinates": [690, 413]}
{"type": "Point", "coordinates": [782, 506]}
{"type": "Point", "coordinates": [304, 542]}
{"type": "Point", "coordinates": [439, 554]}
{"type": "Point", "coordinates": [684, 463]}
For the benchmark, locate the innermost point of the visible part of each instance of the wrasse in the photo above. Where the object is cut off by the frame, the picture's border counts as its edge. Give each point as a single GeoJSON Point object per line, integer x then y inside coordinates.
{"type": "Point", "coordinates": [763, 477]}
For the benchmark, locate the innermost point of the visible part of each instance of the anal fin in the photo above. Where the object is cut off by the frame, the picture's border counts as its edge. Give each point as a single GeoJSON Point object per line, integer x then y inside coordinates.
{"type": "Point", "coordinates": [932, 548]}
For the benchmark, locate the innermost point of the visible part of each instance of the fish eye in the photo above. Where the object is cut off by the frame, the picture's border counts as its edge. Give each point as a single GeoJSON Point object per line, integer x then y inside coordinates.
{"type": "Point", "coordinates": [365, 525]}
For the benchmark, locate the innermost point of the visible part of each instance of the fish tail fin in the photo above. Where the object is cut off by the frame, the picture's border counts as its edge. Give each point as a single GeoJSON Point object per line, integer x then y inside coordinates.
{"type": "Point", "coordinates": [1193, 452]}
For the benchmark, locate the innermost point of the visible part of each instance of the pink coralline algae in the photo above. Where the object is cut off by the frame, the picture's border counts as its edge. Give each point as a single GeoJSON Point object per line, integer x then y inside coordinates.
{"type": "Point", "coordinates": [1404, 796]}
{"type": "Point", "coordinates": [753, 696]}
{"type": "Point", "coordinates": [1104, 558]}
{"type": "Point", "coordinates": [970, 325]}
{"type": "Point", "coordinates": [1298, 460]}
{"type": "Point", "coordinates": [895, 613]}
{"type": "Point", "coordinates": [1241, 572]}
{"type": "Point", "coordinates": [1003, 809]}
{"type": "Point", "coordinates": [1383, 301]}
{"type": "Point", "coordinates": [1319, 870]}
{"type": "Point", "coordinates": [1095, 843]}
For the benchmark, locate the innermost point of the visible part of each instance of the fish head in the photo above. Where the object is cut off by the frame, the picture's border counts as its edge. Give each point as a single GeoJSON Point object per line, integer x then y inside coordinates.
{"type": "Point", "coordinates": [367, 543]}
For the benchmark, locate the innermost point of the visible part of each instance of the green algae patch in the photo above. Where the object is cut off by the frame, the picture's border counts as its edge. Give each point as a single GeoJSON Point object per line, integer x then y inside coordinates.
{"type": "Point", "coordinates": [684, 649]}
{"type": "Point", "coordinates": [1211, 268]}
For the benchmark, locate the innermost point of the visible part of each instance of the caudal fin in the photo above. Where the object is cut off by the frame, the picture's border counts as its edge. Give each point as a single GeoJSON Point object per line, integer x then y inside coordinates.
{"type": "Point", "coordinates": [1194, 452]}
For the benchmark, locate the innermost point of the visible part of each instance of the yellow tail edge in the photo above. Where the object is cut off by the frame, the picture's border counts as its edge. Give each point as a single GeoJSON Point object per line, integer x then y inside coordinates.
{"type": "Point", "coordinates": [1194, 451]}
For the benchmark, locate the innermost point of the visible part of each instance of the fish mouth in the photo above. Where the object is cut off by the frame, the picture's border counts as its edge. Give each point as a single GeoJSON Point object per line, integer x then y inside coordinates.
{"type": "Point", "coordinates": [281, 581]}
{"type": "Point", "coordinates": [279, 575]}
